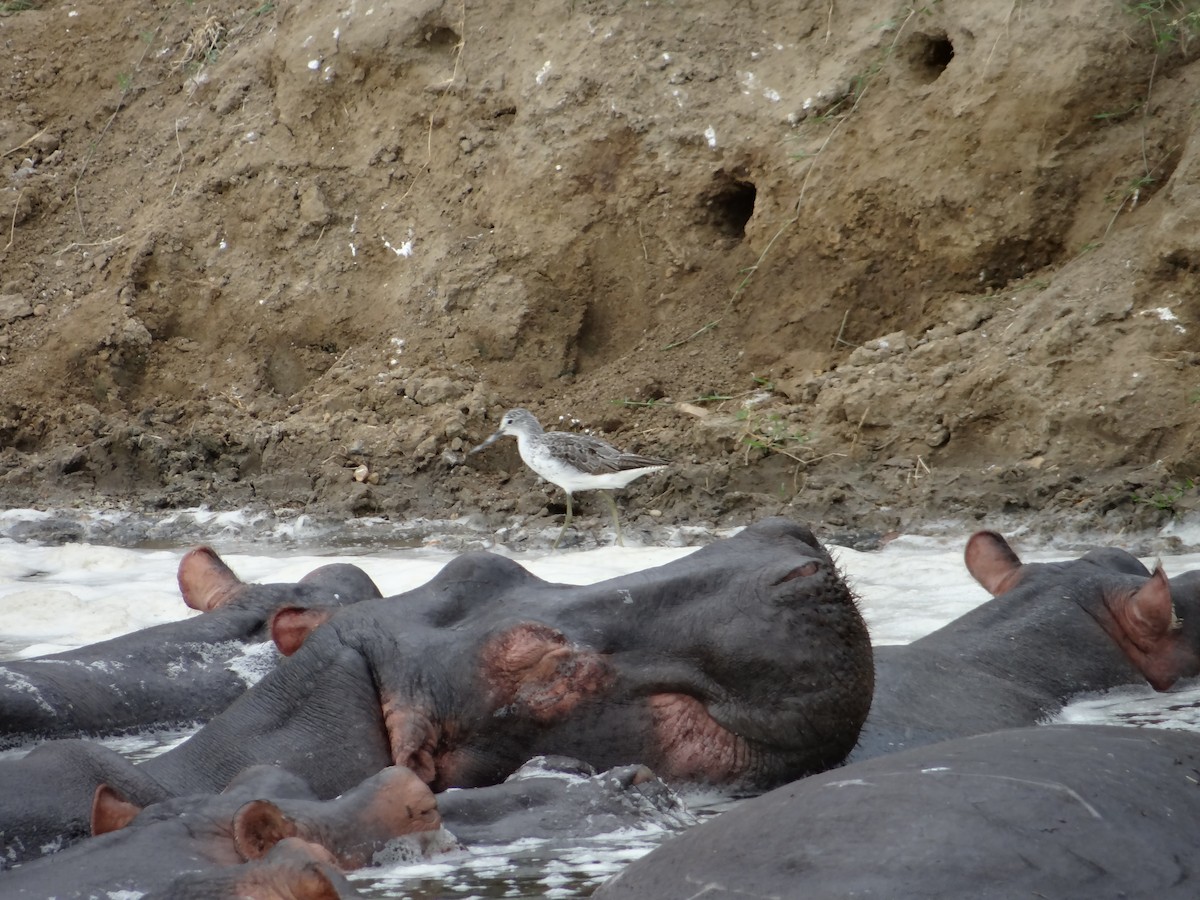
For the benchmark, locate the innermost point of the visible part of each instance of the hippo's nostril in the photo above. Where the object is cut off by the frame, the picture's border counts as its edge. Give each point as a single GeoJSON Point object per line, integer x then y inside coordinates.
{"type": "Point", "coordinates": [641, 775]}
{"type": "Point", "coordinates": [809, 568]}
{"type": "Point", "coordinates": [631, 776]}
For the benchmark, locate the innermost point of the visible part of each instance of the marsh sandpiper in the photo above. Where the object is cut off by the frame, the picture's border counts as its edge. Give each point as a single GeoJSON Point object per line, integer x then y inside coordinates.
{"type": "Point", "coordinates": [574, 462]}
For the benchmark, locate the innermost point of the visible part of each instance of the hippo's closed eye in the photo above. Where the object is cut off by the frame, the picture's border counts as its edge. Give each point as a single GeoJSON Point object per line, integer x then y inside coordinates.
{"type": "Point", "coordinates": [809, 568]}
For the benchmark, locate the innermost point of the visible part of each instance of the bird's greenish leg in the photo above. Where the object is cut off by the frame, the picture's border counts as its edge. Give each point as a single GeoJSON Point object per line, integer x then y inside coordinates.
{"type": "Point", "coordinates": [612, 504]}
{"type": "Point", "coordinates": [566, 522]}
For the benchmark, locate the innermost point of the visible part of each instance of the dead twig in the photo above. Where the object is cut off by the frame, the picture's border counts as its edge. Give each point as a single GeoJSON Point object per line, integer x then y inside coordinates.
{"type": "Point", "coordinates": [75, 245]}
{"type": "Point", "coordinates": [12, 229]}
{"type": "Point", "coordinates": [179, 168]}
{"type": "Point", "coordinates": [838, 340]}
{"type": "Point", "coordinates": [458, 52]}
{"type": "Point", "coordinates": [996, 43]}
{"type": "Point", "coordinates": [858, 430]}
{"type": "Point", "coordinates": [25, 143]}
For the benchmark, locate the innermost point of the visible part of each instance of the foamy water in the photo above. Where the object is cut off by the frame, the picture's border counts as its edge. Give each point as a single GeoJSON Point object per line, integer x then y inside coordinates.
{"type": "Point", "coordinates": [53, 598]}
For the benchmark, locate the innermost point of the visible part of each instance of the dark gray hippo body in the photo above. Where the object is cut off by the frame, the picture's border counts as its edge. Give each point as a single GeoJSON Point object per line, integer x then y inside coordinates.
{"type": "Point", "coordinates": [1068, 812]}
{"type": "Point", "coordinates": [745, 664]}
{"type": "Point", "coordinates": [560, 798]}
{"type": "Point", "coordinates": [210, 837]}
{"type": "Point", "coordinates": [46, 796]}
{"type": "Point", "coordinates": [176, 673]}
{"type": "Point", "coordinates": [1052, 630]}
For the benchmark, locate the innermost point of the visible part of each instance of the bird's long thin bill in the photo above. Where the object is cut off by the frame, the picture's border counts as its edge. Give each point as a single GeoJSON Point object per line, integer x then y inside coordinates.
{"type": "Point", "coordinates": [495, 437]}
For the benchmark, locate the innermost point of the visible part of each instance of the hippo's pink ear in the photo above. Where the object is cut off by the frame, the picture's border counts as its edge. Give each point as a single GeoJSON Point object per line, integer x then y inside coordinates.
{"type": "Point", "coordinates": [1150, 613]}
{"type": "Point", "coordinates": [1150, 634]}
{"type": "Point", "coordinates": [258, 826]}
{"type": "Point", "coordinates": [205, 581]}
{"type": "Point", "coordinates": [111, 811]}
{"type": "Point", "coordinates": [291, 626]}
{"type": "Point", "coordinates": [992, 562]}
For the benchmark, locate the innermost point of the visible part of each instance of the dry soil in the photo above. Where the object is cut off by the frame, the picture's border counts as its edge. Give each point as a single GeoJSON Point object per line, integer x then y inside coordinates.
{"type": "Point", "coordinates": [875, 266]}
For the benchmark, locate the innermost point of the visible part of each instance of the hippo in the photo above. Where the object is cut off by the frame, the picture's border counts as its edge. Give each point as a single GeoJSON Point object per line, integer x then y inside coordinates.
{"type": "Point", "coordinates": [46, 796]}
{"type": "Point", "coordinates": [1071, 812]}
{"type": "Point", "coordinates": [746, 664]}
{"type": "Point", "coordinates": [555, 797]}
{"type": "Point", "coordinates": [144, 850]}
{"type": "Point", "coordinates": [295, 869]}
{"type": "Point", "coordinates": [178, 673]}
{"type": "Point", "coordinates": [213, 839]}
{"type": "Point", "coordinates": [1052, 630]}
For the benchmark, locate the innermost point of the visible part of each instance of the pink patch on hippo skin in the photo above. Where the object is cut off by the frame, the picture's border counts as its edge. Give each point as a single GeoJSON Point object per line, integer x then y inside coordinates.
{"type": "Point", "coordinates": [391, 804]}
{"type": "Point", "coordinates": [692, 744]}
{"type": "Point", "coordinates": [535, 671]}
{"type": "Point", "coordinates": [205, 582]}
{"type": "Point", "coordinates": [291, 626]}
{"type": "Point", "coordinates": [412, 737]}
{"type": "Point", "coordinates": [295, 869]}
{"type": "Point", "coordinates": [401, 804]}
{"type": "Point", "coordinates": [804, 571]}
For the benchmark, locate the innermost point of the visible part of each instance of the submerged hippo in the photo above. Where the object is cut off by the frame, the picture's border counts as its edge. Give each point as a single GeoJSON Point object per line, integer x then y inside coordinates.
{"type": "Point", "coordinates": [295, 869]}
{"type": "Point", "coordinates": [172, 674]}
{"type": "Point", "coordinates": [1052, 630]}
{"type": "Point", "coordinates": [209, 838]}
{"type": "Point", "coordinates": [558, 797]}
{"type": "Point", "coordinates": [1071, 812]}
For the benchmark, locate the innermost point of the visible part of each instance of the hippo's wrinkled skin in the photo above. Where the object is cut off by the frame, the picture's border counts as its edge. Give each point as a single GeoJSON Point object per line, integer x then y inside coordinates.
{"type": "Point", "coordinates": [176, 673]}
{"type": "Point", "coordinates": [745, 664]}
{"type": "Point", "coordinates": [1052, 630]}
{"type": "Point", "coordinates": [1071, 812]}
{"type": "Point", "coordinates": [146, 850]}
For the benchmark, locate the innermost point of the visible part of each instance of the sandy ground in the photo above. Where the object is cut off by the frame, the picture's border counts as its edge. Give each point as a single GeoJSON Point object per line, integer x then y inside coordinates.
{"type": "Point", "coordinates": [874, 267]}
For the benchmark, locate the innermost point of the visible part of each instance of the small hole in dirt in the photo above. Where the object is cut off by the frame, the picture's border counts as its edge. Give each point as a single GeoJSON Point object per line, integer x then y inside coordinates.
{"type": "Point", "coordinates": [731, 205]}
{"type": "Point", "coordinates": [442, 37]}
{"type": "Point", "coordinates": [929, 55]}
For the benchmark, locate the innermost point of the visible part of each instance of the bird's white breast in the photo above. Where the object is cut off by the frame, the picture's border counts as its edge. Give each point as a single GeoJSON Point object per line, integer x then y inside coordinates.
{"type": "Point", "coordinates": [556, 471]}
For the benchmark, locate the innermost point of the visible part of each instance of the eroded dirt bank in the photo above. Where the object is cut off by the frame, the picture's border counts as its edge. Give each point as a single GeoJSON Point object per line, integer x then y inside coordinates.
{"type": "Point", "coordinates": [872, 267]}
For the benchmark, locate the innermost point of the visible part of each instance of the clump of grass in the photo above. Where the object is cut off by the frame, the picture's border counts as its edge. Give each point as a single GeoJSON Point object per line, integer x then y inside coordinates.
{"type": "Point", "coordinates": [771, 433]}
{"type": "Point", "coordinates": [1174, 23]}
{"type": "Point", "coordinates": [203, 45]}
{"type": "Point", "coordinates": [9, 7]}
{"type": "Point", "coordinates": [1167, 500]}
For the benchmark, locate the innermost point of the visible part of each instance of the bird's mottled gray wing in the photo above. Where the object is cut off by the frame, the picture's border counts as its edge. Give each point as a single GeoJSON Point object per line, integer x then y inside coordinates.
{"type": "Point", "coordinates": [595, 456]}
